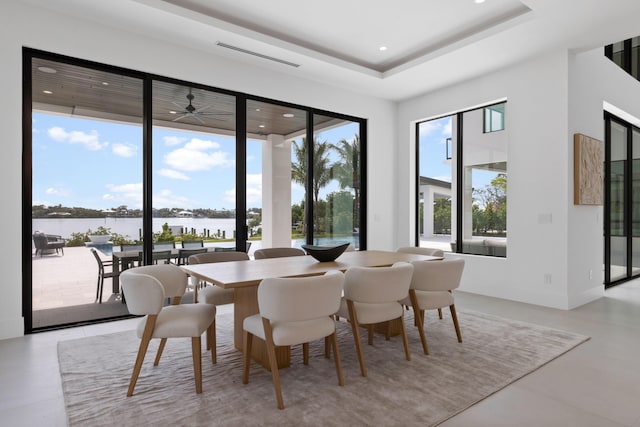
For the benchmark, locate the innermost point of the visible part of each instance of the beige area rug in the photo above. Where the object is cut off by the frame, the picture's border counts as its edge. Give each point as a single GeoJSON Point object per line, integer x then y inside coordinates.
{"type": "Point", "coordinates": [424, 391]}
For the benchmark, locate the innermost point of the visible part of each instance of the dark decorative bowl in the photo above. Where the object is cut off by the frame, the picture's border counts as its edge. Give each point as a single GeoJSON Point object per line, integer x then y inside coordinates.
{"type": "Point", "coordinates": [325, 253]}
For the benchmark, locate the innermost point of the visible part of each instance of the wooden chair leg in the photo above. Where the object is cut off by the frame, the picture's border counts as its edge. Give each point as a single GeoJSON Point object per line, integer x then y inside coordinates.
{"type": "Point", "coordinates": [356, 336]}
{"type": "Point", "coordinates": [405, 341]}
{"type": "Point", "coordinates": [142, 350]}
{"type": "Point", "coordinates": [370, 334]}
{"type": "Point", "coordinates": [419, 321]}
{"type": "Point", "coordinates": [196, 350]}
{"type": "Point", "coordinates": [163, 341]}
{"type": "Point", "coordinates": [454, 316]}
{"type": "Point", "coordinates": [305, 353]}
{"type": "Point", "coordinates": [271, 352]}
{"type": "Point", "coordinates": [247, 341]}
{"type": "Point", "coordinates": [387, 333]}
{"type": "Point", "coordinates": [214, 343]}
{"type": "Point", "coordinates": [440, 313]}
{"type": "Point", "coordinates": [327, 352]}
{"type": "Point", "coordinates": [336, 355]}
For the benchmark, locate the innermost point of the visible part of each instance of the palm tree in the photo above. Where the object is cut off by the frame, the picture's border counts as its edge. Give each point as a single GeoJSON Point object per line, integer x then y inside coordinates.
{"type": "Point", "coordinates": [347, 170]}
{"type": "Point", "coordinates": [321, 169]}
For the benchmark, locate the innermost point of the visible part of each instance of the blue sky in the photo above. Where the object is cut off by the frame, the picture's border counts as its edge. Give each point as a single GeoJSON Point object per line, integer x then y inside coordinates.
{"type": "Point", "coordinates": [433, 135]}
{"type": "Point", "coordinates": [98, 165]}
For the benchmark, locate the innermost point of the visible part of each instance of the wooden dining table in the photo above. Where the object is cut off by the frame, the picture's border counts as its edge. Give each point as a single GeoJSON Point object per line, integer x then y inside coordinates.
{"type": "Point", "coordinates": [245, 276]}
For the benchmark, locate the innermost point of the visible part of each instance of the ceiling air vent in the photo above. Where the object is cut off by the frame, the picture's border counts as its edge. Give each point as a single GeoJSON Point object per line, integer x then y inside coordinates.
{"type": "Point", "coordinates": [259, 55]}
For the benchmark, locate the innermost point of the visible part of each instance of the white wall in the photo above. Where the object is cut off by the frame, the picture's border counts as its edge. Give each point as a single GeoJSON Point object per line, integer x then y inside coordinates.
{"type": "Point", "coordinates": [538, 154]}
{"type": "Point", "coordinates": [22, 25]}
{"type": "Point", "coordinates": [593, 79]}
{"type": "Point", "coordinates": [555, 249]}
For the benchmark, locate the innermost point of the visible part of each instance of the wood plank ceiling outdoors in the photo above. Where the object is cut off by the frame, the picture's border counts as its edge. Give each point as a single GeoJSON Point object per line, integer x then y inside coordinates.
{"type": "Point", "coordinates": [66, 89]}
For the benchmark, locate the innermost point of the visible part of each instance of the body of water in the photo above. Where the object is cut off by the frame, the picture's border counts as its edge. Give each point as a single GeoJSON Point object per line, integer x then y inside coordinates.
{"type": "Point", "coordinates": [132, 227]}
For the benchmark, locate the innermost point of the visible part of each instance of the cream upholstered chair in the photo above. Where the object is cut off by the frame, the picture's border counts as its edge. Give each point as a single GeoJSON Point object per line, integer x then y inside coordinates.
{"type": "Point", "coordinates": [146, 289]}
{"type": "Point", "coordinates": [294, 311]}
{"type": "Point", "coordinates": [371, 296]}
{"type": "Point", "coordinates": [431, 288]}
{"type": "Point", "coordinates": [277, 252]}
{"type": "Point", "coordinates": [421, 251]}
{"type": "Point", "coordinates": [215, 295]}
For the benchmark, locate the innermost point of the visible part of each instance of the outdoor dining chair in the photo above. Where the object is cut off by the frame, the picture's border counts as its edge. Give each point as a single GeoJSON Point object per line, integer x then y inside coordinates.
{"type": "Point", "coordinates": [102, 273]}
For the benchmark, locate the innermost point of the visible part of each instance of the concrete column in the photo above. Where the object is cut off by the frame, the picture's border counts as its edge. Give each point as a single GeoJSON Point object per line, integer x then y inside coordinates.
{"type": "Point", "coordinates": [276, 192]}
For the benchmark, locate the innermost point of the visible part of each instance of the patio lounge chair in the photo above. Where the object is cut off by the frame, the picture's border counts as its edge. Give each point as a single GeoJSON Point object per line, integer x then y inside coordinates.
{"type": "Point", "coordinates": [48, 242]}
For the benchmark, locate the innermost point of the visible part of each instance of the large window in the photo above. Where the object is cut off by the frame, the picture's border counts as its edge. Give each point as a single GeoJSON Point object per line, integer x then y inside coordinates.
{"type": "Point", "coordinates": [464, 201]}
{"type": "Point", "coordinates": [135, 159]}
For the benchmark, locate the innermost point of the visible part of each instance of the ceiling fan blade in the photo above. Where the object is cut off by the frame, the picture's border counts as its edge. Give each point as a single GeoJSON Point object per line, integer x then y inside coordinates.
{"type": "Point", "coordinates": [215, 114]}
{"type": "Point", "coordinates": [179, 118]}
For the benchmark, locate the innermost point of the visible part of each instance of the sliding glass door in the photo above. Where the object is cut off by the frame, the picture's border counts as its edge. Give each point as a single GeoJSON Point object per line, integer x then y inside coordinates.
{"type": "Point", "coordinates": [118, 160]}
{"type": "Point", "coordinates": [86, 188]}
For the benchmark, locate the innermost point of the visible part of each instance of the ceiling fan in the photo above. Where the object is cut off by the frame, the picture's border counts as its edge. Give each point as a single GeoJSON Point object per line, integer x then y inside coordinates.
{"type": "Point", "coordinates": [189, 111]}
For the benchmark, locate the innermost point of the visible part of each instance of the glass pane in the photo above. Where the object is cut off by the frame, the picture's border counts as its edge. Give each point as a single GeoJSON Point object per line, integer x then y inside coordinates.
{"type": "Point", "coordinates": [618, 54]}
{"type": "Point", "coordinates": [194, 167]}
{"type": "Point", "coordinates": [436, 150]}
{"type": "Point", "coordinates": [618, 250]}
{"type": "Point", "coordinates": [336, 182]}
{"type": "Point", "coordinates": [485, 187]}
{"type": "Point", "coordinates": [86, 190]}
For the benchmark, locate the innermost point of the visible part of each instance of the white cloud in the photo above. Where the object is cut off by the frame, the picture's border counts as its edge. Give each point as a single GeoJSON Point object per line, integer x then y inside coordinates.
{"type": "Point", "coordinates": [173, 140]}
{"type": "Point", "coordinates": [168, 199]}
{"type": "Point", "coordinates": [170, 173]}
{"type": "Point", "coordinates": [57, 192]}
{"type": "Point", "coordinates": [126, 194]}
{"type": "Point", "coordinates": [124, 150]}
{"type": "Point", "coordinates": [427, 128]}
{"type": "Point", "coordinates": [201, 144]}
{"type": "Point", "coordinates": [254, 191]}
{"type": "Point", "coordinates": [198, 155]}
{"type": "Point", "coordinates": [90, 140]}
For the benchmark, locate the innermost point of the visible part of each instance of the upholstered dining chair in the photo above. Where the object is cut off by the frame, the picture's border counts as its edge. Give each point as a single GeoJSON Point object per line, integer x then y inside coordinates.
{"type": "Point", "coordinates": [146, 289]}
{"type": "Point", "coordinates": [102, 273]}
{"type": "Point", "coordinates": [215, 295]}
{"type": "Point", "coordinates": [277, 252]}
{"type": "Point", "coordinates": [423, 251]}
{"type": "Point", "coordinates": [431, 287]}
{"type": "Point", "coordinates": [371, 296]}
{"type": "Point", "coordinates": [294, 311]}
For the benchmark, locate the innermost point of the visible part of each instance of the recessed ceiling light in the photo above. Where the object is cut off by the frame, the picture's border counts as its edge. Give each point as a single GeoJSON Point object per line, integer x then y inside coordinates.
{"type": "Point", "coordinates": [382, 48]}
{"type": "Point", "coordinates": [172, 112]}
{"type": "Point", "coordinates": [257, 109]}
{"type": "Point", "coordinates": [478, 1]}
{"type": "Point", "coordinates": [47, 70]}
{"type": "Point", "coordinates": [48, 92]}
{"type": "Point", "coordinates": [288, 115]}
{"type": "Point", "coordinates": [261, 126]}
{"type": "Point", "coordinates": [105, 83]}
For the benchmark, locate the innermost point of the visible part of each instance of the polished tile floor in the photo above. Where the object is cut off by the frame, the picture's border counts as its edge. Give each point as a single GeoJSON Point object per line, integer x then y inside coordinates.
{"type": "Point", "coordinates": [596, 384]}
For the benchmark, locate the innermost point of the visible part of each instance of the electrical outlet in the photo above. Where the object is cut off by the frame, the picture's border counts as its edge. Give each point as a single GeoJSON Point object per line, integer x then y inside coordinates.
{"type": "Point", "coordinates": [590, 274]}
{"type": "Point", "coordinates": [547, 278]}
